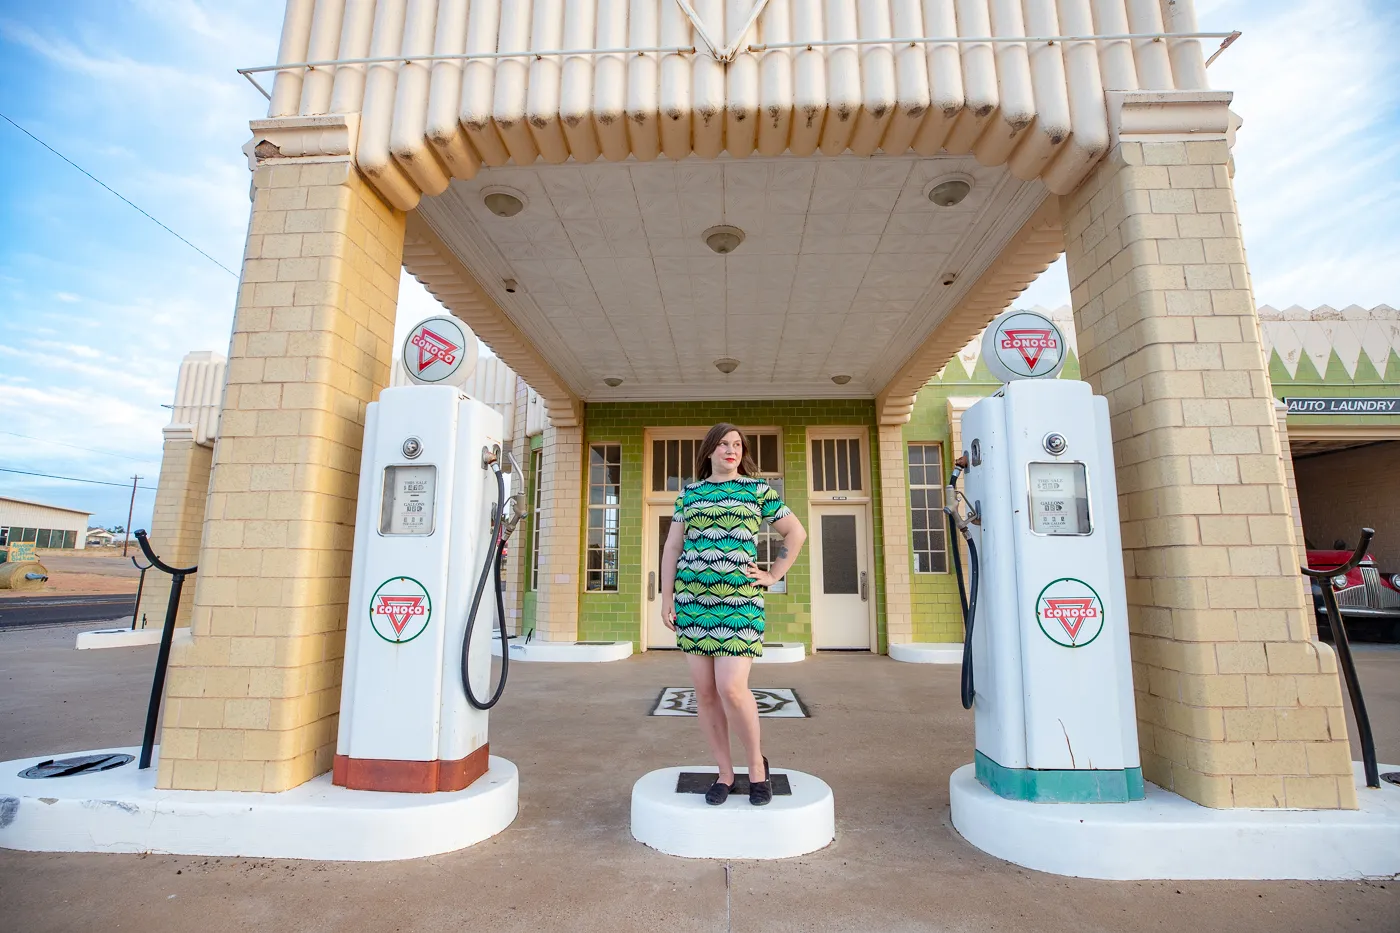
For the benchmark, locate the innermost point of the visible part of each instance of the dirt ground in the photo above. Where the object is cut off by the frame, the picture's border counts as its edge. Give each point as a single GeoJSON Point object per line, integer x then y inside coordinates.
{"type": "Point", "coordinates": [885, 735]}
{"type": "Point", "coordinates": [89, 572]}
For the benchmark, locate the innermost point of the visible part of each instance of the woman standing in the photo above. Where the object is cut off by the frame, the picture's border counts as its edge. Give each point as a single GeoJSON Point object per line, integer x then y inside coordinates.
{"type": "Point", "coordinates": [711, 595]}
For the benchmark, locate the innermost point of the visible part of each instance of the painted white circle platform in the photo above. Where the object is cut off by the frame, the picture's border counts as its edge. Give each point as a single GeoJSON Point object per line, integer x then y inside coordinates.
{"type": "Point", "coordinates": [685, 825]}
{"type": "Point", "coordinates": [118, 638]}
{"type": "Point", "coordinates": [928, 652]}
{"type": "Point", "coordinates": [1167, 836]}
{"type": "Point", "coordinates": [783, 652]}
{"type": "Point", "coordinates": [122, 811]}
{"type": "Point", "coordinates": [565, 651]}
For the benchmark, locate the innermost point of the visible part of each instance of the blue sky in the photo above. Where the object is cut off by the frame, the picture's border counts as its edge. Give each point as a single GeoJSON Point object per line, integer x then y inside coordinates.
{"type": "Point", "coordinates": [98, 305]}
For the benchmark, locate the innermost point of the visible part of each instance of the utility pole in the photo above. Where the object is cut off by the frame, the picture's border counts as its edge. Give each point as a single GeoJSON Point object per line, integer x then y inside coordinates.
{"type": "Point", "coordinates": [126, 532]}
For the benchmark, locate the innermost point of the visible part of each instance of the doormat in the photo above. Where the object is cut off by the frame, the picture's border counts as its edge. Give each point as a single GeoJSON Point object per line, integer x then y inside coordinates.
{"type": "Point", "coordinates": [773, 703]}
{"type": "Point", "coordinates": [698, 782]}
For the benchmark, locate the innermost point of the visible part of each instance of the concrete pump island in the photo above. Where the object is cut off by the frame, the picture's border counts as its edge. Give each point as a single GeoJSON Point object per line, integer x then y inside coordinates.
{"type": "Point", "coordinates": [802, 218]}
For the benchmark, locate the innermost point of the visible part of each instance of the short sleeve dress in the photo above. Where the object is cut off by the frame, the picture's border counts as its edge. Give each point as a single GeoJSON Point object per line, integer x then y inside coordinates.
{"type": "Point", "coordinates": [719, 610]}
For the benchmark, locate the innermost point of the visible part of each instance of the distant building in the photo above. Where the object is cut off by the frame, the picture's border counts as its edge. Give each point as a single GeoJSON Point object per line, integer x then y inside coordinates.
{"type": "Point", "coordinates": [47, 526]}
{"type": "Point", "coordinates": [100, 537]}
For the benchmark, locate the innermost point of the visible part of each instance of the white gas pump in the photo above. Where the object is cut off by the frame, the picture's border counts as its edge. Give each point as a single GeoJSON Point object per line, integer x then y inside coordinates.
{"type": "Point", "coordinates": [1046, 663]}
{"type": "Point", "coordinates": [433, 515]}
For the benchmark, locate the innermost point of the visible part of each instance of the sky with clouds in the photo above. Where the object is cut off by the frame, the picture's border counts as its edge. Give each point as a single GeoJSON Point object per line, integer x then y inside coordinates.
{"type": "Point", "coordinates": [98, 304]}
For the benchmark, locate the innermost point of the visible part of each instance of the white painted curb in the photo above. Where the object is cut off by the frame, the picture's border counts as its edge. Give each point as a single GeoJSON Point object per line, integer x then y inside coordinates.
{"type": "Point", "coordinates": [786, 652]}
{"type": "Point", "coordinates": [928, 652]}
{"type": "Point", "coordinates": [564, 651]}
{"type": "Point", "coordinates": [1167, 836]}
{"type": "Point", "coordinates": [122, 811]}
{"type": "Point", "coordinates": [685, 825]}
{"type": "Point", "coordinates": [118, 638]}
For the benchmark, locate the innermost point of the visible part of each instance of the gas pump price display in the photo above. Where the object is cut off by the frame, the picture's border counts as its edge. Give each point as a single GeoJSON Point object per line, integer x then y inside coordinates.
{"type": "Point", "coordinates": [1059, 494]}
{"type": "Point", "coordinates": [410, 493]}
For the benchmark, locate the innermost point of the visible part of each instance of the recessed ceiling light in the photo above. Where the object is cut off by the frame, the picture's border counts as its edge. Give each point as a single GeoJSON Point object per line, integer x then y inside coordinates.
{"type": "Point", "coordinates": [948, 190]}
{"type": "Point", "coordinates": [612, 382]}
{"type": "Point", "coordinates": [841, 379]}
{"type": "Point", "coordinates": [723, 239]}
{"type": "Point", "coordinates": [503, 202]}
{"type": "Point", "coordinates": [726, 365]}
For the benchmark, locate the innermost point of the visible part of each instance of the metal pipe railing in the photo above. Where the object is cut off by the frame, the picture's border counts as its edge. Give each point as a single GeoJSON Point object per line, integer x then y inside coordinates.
{"type": "Point", "coordinates": [1227, 37]}
{"type": "Point", "coordinates": [140, 585]}
{"type": "Point", "coordinates": [1343, 645]}
{"type": "Point", "coordinates": [172, 609]}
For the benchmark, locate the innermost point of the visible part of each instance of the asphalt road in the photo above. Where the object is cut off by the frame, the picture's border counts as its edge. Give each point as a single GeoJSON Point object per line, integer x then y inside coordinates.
{"type": "Point", "coordinates": [48, 610]}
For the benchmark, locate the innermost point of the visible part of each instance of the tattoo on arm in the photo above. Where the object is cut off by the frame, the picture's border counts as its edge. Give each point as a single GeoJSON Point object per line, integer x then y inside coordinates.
{"type": "Point", "coordinates": [782, 551]}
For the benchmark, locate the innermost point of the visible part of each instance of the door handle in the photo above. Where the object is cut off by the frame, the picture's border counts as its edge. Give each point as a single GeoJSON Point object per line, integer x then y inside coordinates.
{"type": "Point", "coordinates": [864, 587]}
{"type": "Point", "coordinates": [651, 586]}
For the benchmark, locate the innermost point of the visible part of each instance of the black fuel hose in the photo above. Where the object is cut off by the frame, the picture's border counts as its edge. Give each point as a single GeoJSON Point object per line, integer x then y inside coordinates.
{"type": "Point", "coordinates": [494, 554]}
{"type": "Point", "coordinates": [967, 595]}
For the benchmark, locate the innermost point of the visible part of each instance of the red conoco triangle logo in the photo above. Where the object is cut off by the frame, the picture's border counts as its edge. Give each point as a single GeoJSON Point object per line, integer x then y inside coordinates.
{"type": "Point", "coordinates": [1070, 613]}
{"type": "Point", "coordinates": [399, 609]}
{"type": "Point", "coordinates": [1029, 343]}
{"type": "Point", "coordinates": [433, 348]}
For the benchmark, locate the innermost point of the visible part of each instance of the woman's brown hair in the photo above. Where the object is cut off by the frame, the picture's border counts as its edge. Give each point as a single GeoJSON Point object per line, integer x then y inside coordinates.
{"type": "Point", "coordinates": [716, 434]}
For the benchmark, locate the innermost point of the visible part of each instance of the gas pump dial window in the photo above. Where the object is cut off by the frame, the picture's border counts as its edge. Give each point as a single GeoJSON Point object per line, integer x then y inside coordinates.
{"type": "Point", "coordinates": [1059, 494]}
{"type": "Point", "coordinates": [410, 493]}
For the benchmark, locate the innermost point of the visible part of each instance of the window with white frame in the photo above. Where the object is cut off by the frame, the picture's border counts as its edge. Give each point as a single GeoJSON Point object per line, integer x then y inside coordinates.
{"type": "Point", "coordinates": [536, 477]}
{"type": "Point", "coordinates": [604, 516]}
{"type": "Point", "coordinates": [930, 542]}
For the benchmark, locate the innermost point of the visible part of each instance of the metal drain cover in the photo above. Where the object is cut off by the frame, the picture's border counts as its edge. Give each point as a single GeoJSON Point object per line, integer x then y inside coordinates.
{"type": "Point", "coordinates": [1391, 776]}
{"type": "Point", "coordinates": [81, 764]}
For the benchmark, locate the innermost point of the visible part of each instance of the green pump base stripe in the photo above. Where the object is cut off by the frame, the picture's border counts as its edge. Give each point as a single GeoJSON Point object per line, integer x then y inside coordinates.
{"type": "Point", "coordinates": [1060, 786]}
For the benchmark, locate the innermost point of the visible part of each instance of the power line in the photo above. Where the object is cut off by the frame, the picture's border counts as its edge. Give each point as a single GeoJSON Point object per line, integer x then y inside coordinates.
{"type": "Point", "coordinates": [91, 450]}
{"type": "Point", "coordinates": [72, 479]}
{"type": "Point", "coordinates": [118, 194]}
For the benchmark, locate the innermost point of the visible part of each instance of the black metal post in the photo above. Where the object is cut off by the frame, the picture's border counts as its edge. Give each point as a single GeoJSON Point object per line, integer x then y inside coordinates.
{"type": "Point", "coordinates": [172, 609]}
{"type": "Point", "coordinates": [140, 585]}
{"type": "Point", "coordinates": [1348, 665]}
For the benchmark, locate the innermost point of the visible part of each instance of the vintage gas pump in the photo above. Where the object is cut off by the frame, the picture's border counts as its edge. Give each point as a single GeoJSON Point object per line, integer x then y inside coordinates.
{"type": "Point", "coordinates": [433, 515]}
{"type": "Point", "coordinates": [1047, 668]}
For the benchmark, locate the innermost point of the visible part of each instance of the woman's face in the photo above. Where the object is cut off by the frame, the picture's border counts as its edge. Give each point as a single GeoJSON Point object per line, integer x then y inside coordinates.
{"type": "Point", "coordinates": [727, 455]}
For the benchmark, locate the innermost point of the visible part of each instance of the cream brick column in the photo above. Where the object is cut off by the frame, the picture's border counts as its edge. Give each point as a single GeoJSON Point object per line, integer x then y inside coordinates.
{"type": "Point", "coordinates": [894, 504]}
{"type": "Point", "coordinates": [1237, 705]}
{"type": "Point", "coordinates": [517, 564]}
{"type": "Point", "coordinates": [177, 521]}
{"type": "Point", "coordinates": [1291, 482]}
{"type": "Point", "coordinates": [252, 702]}
{"type": "Point", "coordinates": [561, 533]}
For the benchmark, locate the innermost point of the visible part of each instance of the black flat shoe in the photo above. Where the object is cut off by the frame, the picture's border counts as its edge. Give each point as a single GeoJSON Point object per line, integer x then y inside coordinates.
{"type": "Point", "coordinates": [718, 793]}
{"type": "Point", "coordinates": [761, 792]}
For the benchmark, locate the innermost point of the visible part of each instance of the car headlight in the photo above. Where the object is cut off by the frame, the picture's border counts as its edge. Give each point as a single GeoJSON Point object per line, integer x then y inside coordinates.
{"type": "Point", "coordinates": [1395, 580]}
{"type": "Point", "coordinates": [1340, 581]}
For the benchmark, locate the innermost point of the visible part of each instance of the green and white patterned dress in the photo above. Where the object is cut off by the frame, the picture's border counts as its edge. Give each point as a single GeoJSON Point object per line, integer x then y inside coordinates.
{"type": "Point", "coordinates": [719, 610]}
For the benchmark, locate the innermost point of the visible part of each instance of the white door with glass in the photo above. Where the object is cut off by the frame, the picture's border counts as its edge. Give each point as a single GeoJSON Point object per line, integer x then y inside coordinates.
{"type": "Point", "coordinates": [669, 467]}
{"type": "Point", "coordinates": [839, 538]}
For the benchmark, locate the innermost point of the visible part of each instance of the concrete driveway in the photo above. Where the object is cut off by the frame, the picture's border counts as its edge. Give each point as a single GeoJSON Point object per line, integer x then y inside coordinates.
{"type": "Point", "coordinates": [885, 735]}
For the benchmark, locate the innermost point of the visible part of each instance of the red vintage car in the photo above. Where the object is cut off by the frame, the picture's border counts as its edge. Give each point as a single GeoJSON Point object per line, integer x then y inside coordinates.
{"type": "Point", "coordinates": [1368, 599]}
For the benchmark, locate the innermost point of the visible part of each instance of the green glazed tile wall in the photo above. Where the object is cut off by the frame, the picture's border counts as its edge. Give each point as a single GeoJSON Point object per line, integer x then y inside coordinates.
{"type": "Point", "coordinates": [617, 616]}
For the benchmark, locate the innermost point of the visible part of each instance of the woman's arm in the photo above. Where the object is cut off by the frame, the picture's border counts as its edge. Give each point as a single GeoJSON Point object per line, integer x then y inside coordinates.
{"type": "Point", "coordinates": [670, 555]}
{"type": "Point", "coordinates": [794, 535]}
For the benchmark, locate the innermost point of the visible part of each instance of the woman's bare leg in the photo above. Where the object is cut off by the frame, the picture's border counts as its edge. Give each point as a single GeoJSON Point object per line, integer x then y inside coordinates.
{"type": "Point", "coordinates": [732, 680]}
{"type": "Point", "coordinates": [713, 721]}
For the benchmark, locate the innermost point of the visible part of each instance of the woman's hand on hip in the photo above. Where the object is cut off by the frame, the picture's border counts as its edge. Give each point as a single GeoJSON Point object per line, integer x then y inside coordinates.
{"type": "Point", "coordinates": [759, 575]}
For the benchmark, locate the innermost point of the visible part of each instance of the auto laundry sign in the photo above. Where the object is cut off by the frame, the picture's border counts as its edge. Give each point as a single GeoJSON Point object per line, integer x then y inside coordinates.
{"type": "Point", "coordinates": [1343, 406]}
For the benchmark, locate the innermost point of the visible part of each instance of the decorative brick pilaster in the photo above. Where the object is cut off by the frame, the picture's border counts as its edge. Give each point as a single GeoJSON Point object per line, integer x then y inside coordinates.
{"type": "Point", "coordinates": [1237, 705]}
{"type": "Point", "coordinates": [252, 701]}
{"type": "Point", "coordinates": [894, 499]}
{"type": "Point", "coordinates": [561, 532]}
{"type": "Point", "coordinates": [177, 521]}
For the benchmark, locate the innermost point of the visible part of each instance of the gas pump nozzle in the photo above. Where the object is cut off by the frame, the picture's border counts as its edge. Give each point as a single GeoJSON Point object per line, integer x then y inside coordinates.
{"type": "Point", "coordinates": [958, 524]}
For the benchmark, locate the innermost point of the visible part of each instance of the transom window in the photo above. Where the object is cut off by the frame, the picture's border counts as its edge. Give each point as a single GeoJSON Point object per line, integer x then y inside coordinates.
{"type": "Point", "coordinates": [930, 544]}
{"type": "Point", "coordinates": [836, 464]}
{"type": "Point", "coordinates": [673, 459]}
{"type": "Point", "coordinates": [604, 516]}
